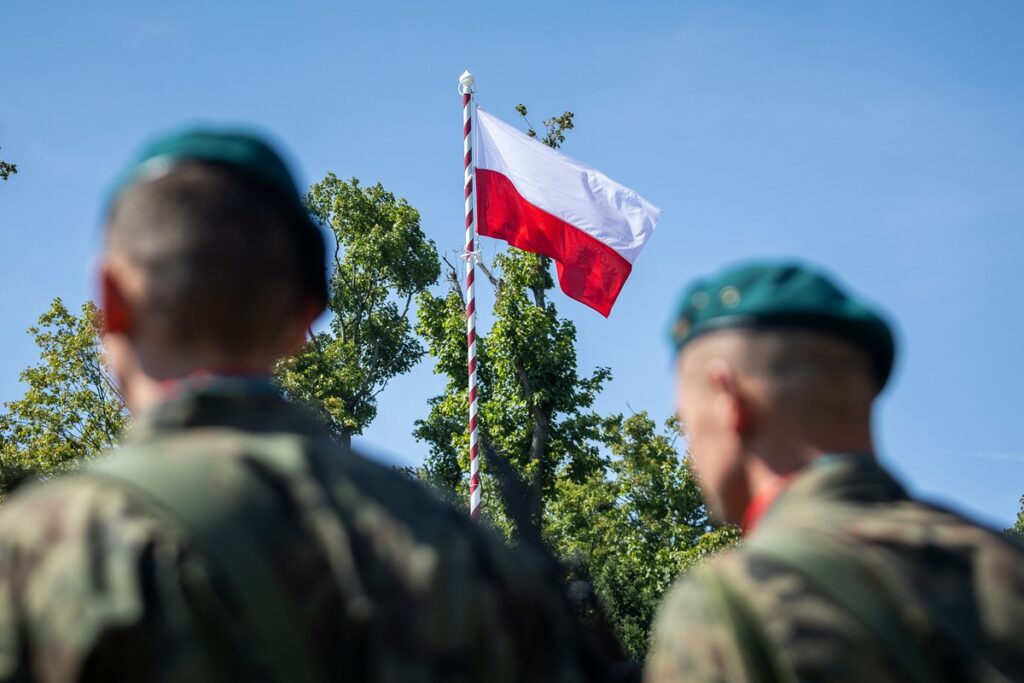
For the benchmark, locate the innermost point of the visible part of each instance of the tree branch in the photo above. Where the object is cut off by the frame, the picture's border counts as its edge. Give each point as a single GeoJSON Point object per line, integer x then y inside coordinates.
{"type": "Point", "coordinates": [337, 270]}
{"type": "Point", "coordinates": [453, 278]}
{"type": "Point", "coordinates": [496, 282]}
{"type": "Point", "coordinates": [514, 493]}
{"type": "Point", "coordinates": [408, 303]}
{"type": "Point", "coordinates": [316, 343]}
{"type": "Point", "coordinates": [543, 265]}
{"type": "Point", "coordinates": [524, 379]}
{"type": "Point", "coordinates": [538, 451]}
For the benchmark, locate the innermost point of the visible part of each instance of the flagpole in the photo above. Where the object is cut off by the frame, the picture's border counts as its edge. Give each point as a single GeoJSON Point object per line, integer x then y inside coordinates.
{"type": "Point", "coordinates": [466, 82]}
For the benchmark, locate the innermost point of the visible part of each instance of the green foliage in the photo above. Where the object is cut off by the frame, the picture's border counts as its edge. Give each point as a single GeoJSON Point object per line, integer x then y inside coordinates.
{"type": "Point", "coordinates": [7, 169]}
{"type": "Point", "coordinates": [1018, 527]}
{"type": "Point", "coordinates": [635, 523]}
{"type": "Point", "coordinates": [382, 260]}
{"type": "Point", "coordinates": [535, 408]}
{"type": "Point", "coordinates": [72, 408]}
{"type": "Point", "coordinates": [554, 128]}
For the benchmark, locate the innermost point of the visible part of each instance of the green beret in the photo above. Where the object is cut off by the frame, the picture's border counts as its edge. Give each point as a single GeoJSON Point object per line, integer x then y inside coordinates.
{"type": "Point", "coordinates": [782, 295]}
{"type": "Point", "coordinates": [243, 152]}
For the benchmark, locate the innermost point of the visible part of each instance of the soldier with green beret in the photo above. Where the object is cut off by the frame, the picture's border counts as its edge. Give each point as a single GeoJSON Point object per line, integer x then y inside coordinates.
{"type": "Point", "coordinates": [841, 576]}
{"type": "Point", "coordinates": [229, 537]}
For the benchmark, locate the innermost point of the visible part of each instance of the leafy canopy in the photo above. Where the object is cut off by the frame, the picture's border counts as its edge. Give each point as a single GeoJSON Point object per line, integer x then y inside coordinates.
{"type": "Point", "coordinates": [535, 407]}
{"type": "Point", "coordinates": [7, 169]}
{"type": "Point", "coordinates": [381, 260]}
{"type": "Point", "coordinates": [72, 409]}
{"type": "Point", "coordinates": [635, 523]}
{"type": "Point", "coordinates": [1018, 527]}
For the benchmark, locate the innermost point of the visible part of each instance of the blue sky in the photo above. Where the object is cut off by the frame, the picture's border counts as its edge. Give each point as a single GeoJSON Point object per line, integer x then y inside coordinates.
{"type": "Point", "coordinates": [882, 140]}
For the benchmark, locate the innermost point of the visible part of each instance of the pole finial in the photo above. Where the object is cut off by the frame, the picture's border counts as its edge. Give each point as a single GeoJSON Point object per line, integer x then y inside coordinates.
{"type": "Point", "coordinates": [466, 82]}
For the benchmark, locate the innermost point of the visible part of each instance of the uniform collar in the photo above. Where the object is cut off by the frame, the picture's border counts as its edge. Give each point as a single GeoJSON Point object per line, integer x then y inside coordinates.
{"type": "Point", "coordinates": [222, 381]}
{"type": "Point", "coordinates": [251, 403]}
{"type": "Point", "coordinates": [764, 499]}
{"type": "Point", "coordinates": [837, 477]}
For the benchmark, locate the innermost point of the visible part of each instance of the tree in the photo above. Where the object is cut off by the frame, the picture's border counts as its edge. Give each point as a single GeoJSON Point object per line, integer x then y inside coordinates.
{"type": "Point", "coordinates": [382, 260]}
{"type": "Point", "coordinates": [535, 408]}
{"type": "Point", "coordinates": [636, 523]}
{"type": "Point", "coordinates": [72, 409]}
{"type": "Point", "coordinates": [7, 169]}
{"type": "Point", "coordinates": [1018, 528]}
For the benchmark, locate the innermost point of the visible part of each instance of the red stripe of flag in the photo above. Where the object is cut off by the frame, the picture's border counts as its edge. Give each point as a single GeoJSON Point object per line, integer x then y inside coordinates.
{"type": "Point", "coordinates": [588, 270]}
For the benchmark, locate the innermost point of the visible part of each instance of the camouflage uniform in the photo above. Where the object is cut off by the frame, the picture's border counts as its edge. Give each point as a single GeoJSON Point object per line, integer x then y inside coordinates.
{"type": "Point", "coordinates": [97, 584]}
{"type": "Point", "coordinates": [931, 596]}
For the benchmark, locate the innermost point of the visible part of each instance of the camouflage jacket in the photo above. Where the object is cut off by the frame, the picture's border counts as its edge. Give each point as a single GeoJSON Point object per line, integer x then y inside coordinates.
{"type": "Point", "coordinates": [902, 591]}
{"type": "Point", "coordinates": [97, 584]}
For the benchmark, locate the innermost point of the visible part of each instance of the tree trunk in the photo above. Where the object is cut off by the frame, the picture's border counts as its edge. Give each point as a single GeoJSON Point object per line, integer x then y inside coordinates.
{"type": "Point", "coordinates": [538, 451]}
{"type": "Point", "coordinates": [541, 419]}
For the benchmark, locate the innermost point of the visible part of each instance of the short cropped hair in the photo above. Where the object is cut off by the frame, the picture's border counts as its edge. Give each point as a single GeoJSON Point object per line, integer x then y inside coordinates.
{"type": "Point", "coordinates": [810, 370]}
{"type": "Point", "coordinates": [226, 262]}
{"type": "Point", "coordinates": [807, 373]}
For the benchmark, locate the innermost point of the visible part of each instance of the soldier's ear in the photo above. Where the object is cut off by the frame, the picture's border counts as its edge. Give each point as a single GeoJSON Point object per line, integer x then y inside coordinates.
{"type": "Point", "coordinates": [733, 406]}
{"type": "Point", "coordinates": [117, 313]}
{"type": "Point", "coordinates": [723, 392]}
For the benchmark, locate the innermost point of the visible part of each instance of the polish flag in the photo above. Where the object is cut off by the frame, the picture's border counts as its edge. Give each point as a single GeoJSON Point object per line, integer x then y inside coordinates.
{"type": "Point", "coordinates": [540, 200]}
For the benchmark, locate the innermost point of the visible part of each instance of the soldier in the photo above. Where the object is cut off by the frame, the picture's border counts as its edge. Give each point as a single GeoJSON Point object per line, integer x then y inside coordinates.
{"type": "Point", "coordinates": [842, 576]}
{"type": "Point", "coordinates": [230, 538]}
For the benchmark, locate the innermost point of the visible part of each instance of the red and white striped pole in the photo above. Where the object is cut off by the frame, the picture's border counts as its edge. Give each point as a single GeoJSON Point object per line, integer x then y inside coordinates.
{"type": "Point", "coordinates": [471, 254]}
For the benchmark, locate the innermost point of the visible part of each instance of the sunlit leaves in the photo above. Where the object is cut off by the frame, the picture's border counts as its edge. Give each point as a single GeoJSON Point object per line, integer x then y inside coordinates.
{"type": "Point", "coordinates": [529, 387]}
{"type": "Point", "coordinates": [71, 409]}
{"type": "Point", "coordinates": [635, 523]}
{"type": "Point", "coordinates": [554, 128]}
{"type": "Point", "coordinates": [7, 169]}
{"type": "Point", "coordinates": [381, 261]}
{"type": "Point", "coordinates": [1018, 528]}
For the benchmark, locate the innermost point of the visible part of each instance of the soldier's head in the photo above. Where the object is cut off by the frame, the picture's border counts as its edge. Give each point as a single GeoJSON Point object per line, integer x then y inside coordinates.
{"type": "Point", "coordinates": [211, 261]}
{"type": "Point", "coordinates": [775, 366]}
